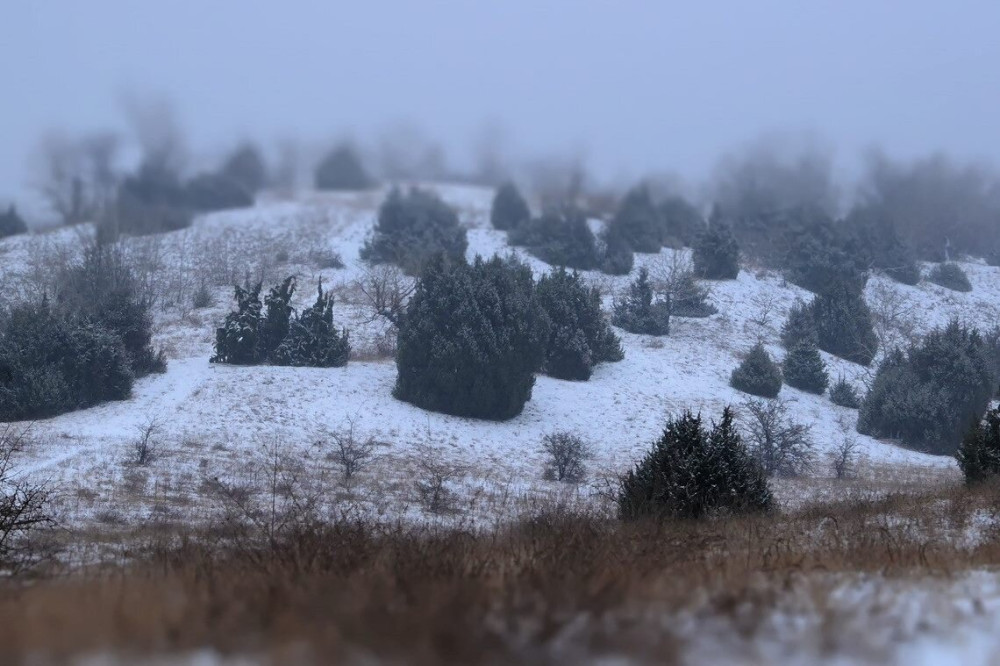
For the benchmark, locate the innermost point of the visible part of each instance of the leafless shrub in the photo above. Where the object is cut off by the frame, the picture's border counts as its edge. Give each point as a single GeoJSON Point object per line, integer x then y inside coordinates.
{"type": "Point", "coordinates": [844, 458]}
{"type": "Point", "coordinates": [567, 455]}
{"type": "Point", "coordinates": [273, 500]}
{"type": "Point", "coordinates": [782, 446]}
{"type": "Point", "coordinates": [764, 305]}
{"type": "Point", "coordinates": [144, 448]}
{"type": "Point", "coordinates": [385, 290]}
{"type": "Point", "coordinates": [351, 452]}
{"type": "Point", "coordinates": [435, 477]}
{"type": "Point", "coordinates": [23, 507]}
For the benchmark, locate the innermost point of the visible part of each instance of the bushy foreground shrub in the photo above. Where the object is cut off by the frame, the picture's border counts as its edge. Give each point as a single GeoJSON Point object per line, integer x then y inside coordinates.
{"type": "Point", "coordinates": [758, 374]}
{"type": "Point", "coordinates": [844, 394]}
{"type": "Point", "coordinates": [412, 227]}
{"type": "Point", "coordinates": [11, 223]}
{"type": "Point", "coordinates": [509, 210]}
{"type": "Point", "coordinates": [804, 369]}
{"type": "Point", "coordinates": [950, 276]}
{"type": "Point", "coordinates": [927, 396]}
{"type": "Point", "coordinates": [471, 339]}
{"type": "Point", "coordinates": [637, 312]}
{"type": "Point", "coordinates": [717, 254]}
{"type": "Point", "coordinates": [342, 169]}
{"type": "Point", "coordinates": [271, 332]}
{"type": "Point", "coordinates": [579, 337]}
{"type": "Point", "coordinates": [693, 472]}
{"type": "Point", "coordinates": [979, 453]}
{"type": "Point", "coordinates": [560, 237]}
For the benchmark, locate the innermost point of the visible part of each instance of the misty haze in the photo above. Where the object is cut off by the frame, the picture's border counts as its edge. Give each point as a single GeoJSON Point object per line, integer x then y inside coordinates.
{"type": "Point", "coordinates": [524, 332]}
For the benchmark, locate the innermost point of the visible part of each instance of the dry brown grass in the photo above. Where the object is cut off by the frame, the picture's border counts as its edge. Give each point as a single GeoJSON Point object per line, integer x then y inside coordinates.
{"type": "Point", "coordinates": [556, 587]}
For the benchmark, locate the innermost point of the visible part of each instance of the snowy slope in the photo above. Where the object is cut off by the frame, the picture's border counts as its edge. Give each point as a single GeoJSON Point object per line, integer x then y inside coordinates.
{"type": "Point", "coordinates": [212, 416]}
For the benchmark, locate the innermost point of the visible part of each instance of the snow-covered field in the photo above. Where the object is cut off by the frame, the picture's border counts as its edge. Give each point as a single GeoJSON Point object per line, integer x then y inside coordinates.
{"type": "Point", "coordinates": [212, 415]}
{"type": "Point", "coordinates": [213, 421]}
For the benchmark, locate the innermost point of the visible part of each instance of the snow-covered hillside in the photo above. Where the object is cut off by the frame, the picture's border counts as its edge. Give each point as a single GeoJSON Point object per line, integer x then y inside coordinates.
{"type": "Point", "coordinates": [213, 417]}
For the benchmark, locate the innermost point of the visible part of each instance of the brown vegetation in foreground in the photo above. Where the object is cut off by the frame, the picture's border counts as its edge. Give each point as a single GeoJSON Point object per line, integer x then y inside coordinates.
{"type": "Point", "coordinates": [553, 588]}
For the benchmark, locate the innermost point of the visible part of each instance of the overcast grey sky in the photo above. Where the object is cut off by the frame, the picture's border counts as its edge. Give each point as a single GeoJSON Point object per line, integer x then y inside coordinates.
{"type": "Point", "coordinates": [638, 85]}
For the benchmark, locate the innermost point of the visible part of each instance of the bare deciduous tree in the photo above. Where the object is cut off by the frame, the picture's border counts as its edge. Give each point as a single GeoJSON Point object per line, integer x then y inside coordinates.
{"type": "Point", "coordinates": [23, 506]}
{"type": "Point", "coordinates": [843, 459]}
{"type": "Point", "coordinates": [782, 446]}
{"type": "Point", "coordinates": [76, 176]}
{"type": "Point", "coordinates": [386, 291]}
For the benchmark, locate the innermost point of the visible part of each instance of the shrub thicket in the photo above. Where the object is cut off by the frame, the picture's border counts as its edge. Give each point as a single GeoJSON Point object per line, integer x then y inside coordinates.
{"type": "Point", "coordinates": [209, 192]}
{"type": "Point", "coordinates": [11, 223]}
{"type": "Point", "coordinates": [693, 472]}
{"type": "Point", "coordinates": [471, 339]}
{"type": "Point", "coordinates": [560, 237]}
{"type": "Point", "coordinates": [638, 221]}
{"type": "Point", "coordinates": [103, 290]}
{"type": "Point", "coordinates": [717, 254]}
{"type": "Point", "coordinates": [272, 332]}
{"type": "Point", "coordinates": [245, 166]}
{"type": "Point", "coordinates": [412, 228]}
{"type": "Point", "coordinates": [312, 339]}
{"type": "Point", "coordinates": [579, 336]}
{"type": "Point", "coordinates": [803, 368]}
{"type": "Point", "coordinates": [637, 312]}
{"type": "Point", "coordinates": [52, 362]}
{"type": "Point", "coordinates": [844, 394]}
{"type": "Point", "coordinates": [758, 374]}
{"type": "Point", "coordinates": [979, 453]}
{"type": "Point", "coordinates": [844, 325]}
{"type": "Point", "coordinates": [509, 209]}
{"type": "Point", "coordinates": [342, 169]}
{"type": "Point", "coordinates": [151, 201]}
{"type": "Point", "coordinates": [950, 276]}
{"type": "Point", "coordinates": [927, 396]}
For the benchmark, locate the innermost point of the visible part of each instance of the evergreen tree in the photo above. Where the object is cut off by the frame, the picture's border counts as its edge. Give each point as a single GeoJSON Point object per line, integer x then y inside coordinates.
{"type": "Point", "coordinates": [638, 313]}
{"type": "Point", "coordinates": [979, 453]}
{"type": "Point", "coordinates": [617, 257]}
{"type": "Point", "coordinates": [509, 209]}
{"type": "Point", "coordinates": [412, 228]}
{"type": "Point", "coordinates": [471, 339]}
{"type": "Point", "coordinates": [950, 276]}
{"type": "Point", "coordinates": [716, 254]}
{"type": "Point", "coordinates": [560, 237]}
{"type": "Point", "coordinates": [804, 369]}
{"type": "Point", "coordinates": [245, 166]}
{"type": "Point", "coordinates": [927, 396]}
{"type": "Point", "coordinates": [11, 223]}
{"type": "Point", "coordinates": [236, 341]}
{"type": "Point", "coordinates": [579, 336]}
{"type": "Point", "coordinates": [757, 374]}
{"type": "Point", "coordinates": [151, 201]}
{"type": "Point", "coordinates": [843, 394]}
{"type": "Point", "coordinates": [800, 327]}
{"type": "Point", "coordinates": [682, 223]}
{"type": "Point", "coordinates": [692, 473]}
{"type": "Point", "coordinates": [277, 315]}
{"type": "Point", "coordinates": [341, 169]}
{"type": "Point", "coordinates": [312, 339]}
{"type": "Point", "coordinates": [638, 222]}
{"type": "Point", "coordinates": [844, 323]}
